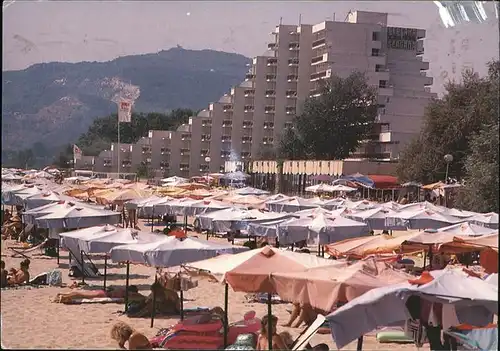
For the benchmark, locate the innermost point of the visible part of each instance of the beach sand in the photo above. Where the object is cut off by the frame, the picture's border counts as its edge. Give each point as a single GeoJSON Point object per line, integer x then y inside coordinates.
{"type": "Point", "coordinates": [31, 320]}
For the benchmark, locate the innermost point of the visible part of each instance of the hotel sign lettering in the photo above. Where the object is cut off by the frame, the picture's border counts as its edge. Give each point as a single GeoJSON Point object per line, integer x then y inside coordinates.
{"type": "Point", "coordinates": [401, 38]}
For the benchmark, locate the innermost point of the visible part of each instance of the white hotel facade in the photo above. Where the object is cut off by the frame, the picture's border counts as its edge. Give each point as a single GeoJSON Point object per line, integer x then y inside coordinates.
{"type": "Point", "coordinates": [246, 123]}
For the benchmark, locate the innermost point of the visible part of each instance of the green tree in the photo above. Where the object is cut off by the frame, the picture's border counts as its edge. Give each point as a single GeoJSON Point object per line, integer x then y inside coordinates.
{"type": "Point", "coordinates": [480, 193]}
{"type": "Point", "coordinates": [449, 124]}
{"type": "Point", "coordinates": [65, 158]}
{"type": "Point", "coordinates": [335, 123]}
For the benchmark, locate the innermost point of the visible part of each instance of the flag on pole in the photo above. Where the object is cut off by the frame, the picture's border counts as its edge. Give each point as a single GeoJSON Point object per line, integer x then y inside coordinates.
{"type": "Point", "coordinates": [77, 153]}
{"type": "Point", "coordinates": [124, 111]}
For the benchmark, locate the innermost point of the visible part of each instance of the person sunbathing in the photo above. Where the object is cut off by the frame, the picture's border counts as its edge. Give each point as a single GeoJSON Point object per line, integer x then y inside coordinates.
{"type": "Point", "coordinates": [305, 314]}
{"type": "Point", "coordinates": [3, 283]}
{"type": "Point", "coordinates": [278, 343]}
{"type": "Point", "coordinates": [166, 302]}
{"type": "Point", "coordinates": [111, 292]}
{"type": "Point", "coordinates": [122, 333]}
{"type": "Point", "coordinates": [21, 275]}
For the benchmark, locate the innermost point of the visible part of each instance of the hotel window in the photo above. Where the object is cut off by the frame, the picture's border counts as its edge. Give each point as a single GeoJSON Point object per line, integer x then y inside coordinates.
{"type": "Point", "coordinates": [375, 52]}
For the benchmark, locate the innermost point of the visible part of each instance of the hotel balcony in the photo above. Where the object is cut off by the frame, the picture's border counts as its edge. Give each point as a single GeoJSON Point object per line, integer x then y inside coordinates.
{"type": "Point", "coordinates": [186, 136]}
{"type": "Point", "coordinates": [227, 108]}
{"type": "Point", "coordinates": [226, 138]}
{"type": "Point", "coordinates": [290, 110]}
{"type": "Point", "coordinates": [249, 76]}
{"type": "Point", "coordinates": [206, 137]}
{"type": "Point", "coordinates": [270, 93]}
{"type": "Point", "coordinates": [292, 78]}
{"type": "Point", "coordinates": [249, 92]}
{"type": "Point", "coordinates": [204, 167]}
{"type": "Point", "coordinates": [206, 123]}
{"type": "Point", "coordinates": [272, 46]}
{"type": "Point", "coordinates": [271, 78]}
{"type": "Point", "coordinates": [146, 150]}
{"type": "Point", "coordinates": [293, 62]}
{"type": "Point", "coordinates": [293, 46]}
{"type": "Point", "coordinates": [317, 43]}
{"type": "Point", "coordinates": [291, 94]}
{"type": "Point", "coordinates": [269, 109]}
{"type": "Point", "coordinates": [185, 152]}
{"type": "Point", "coordinates": [267, 141]}
{"type": "Point", "coordinates": [165, 151]}
{"type": "Point", "coordinates": [268, 125]}
{"type": "Point", "coordinates": [225, 154]}
{"type": "Point", "coordinates": [272, 62]}
{"type": "Point", "coordinates": [246, 139]}
{"type": "Point", "coordinates": [248, 108]}
{"type": "Point", "coordinates": [227, 123]}
{"type": "Point", "coordinates": [204, 152]}
{"type": "Point", "coordinates": [247, 124]}
{"type": "Point", "coordinates": [319, 59]}
{"type": "Point", "coordinates": [184, 166]}
{"type": "Point", "coordinates": [164, 165]}
{"type": "Point", "coordinates": [246, 155]}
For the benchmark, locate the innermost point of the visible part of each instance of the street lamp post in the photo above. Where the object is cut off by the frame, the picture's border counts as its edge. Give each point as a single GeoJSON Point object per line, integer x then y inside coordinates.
{"type": "Point", "coordinates": [207, 160]}
{"type": "Point", "coordinates": [448, 159]}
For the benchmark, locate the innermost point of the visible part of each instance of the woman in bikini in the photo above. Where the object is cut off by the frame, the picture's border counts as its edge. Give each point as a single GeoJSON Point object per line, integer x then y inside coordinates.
{"type": "Point", "coordinates": [277, 340]}
{"type": "Point", "coordinates": [112, 292]}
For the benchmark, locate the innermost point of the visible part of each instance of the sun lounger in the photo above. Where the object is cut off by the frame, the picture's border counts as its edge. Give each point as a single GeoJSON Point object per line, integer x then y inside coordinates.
{"type": "Point", "coordinates": [306, 336]}
{"type": "Point", "coordinates": [101, 300]}
{"type": "Point", "coordinates": [18, 251]}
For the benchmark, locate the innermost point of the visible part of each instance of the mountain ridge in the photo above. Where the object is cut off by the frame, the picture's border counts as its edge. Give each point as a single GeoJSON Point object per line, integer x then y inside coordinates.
{"type": "Point", "coordinates": [54, 103]}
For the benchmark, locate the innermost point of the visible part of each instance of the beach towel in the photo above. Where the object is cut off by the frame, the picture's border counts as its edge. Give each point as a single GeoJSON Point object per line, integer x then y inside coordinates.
{"type": "Point", "coordinates": [101, 300]}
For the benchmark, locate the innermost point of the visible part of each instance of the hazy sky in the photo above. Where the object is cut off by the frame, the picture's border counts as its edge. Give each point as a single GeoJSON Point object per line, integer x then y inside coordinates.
{"type": "Point", "coordinates": [72, 31]}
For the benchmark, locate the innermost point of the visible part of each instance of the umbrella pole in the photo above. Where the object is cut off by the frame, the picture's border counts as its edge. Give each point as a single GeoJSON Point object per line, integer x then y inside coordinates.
{"type": "Point", "coordinates": [319, 249]}
{"type": "Point", "coordinates": [105, 270]}
{"type": "Point", "coordinates": [269, 322]}
{"type": "Point", "coordinates": [226, 320]}
{"type": "Point", "coordinates": [83, 267]}
{"type": "Point", "coordinates": [58, 239]}
{"type": "Point", "coordinates": [360, 344]}
{"type": "Point", "coordinates": [126, 286]}
{"type": "Point", "coordinates": [182, 304]}
{"type": "Point", "coordinates": [152, 223]}
{"type": "Point", "coordinates": [186, 224]}
{"type": "Point", "coordinates": [153, 310]}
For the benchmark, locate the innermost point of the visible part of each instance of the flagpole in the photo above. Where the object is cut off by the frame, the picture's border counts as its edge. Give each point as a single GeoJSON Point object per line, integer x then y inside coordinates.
{"type": "Point", "coordinates": [119, 147]}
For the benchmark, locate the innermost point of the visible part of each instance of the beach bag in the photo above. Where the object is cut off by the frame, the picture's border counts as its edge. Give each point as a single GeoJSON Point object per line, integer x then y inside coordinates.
{"type": "Point", "coordinates": [54, 278]}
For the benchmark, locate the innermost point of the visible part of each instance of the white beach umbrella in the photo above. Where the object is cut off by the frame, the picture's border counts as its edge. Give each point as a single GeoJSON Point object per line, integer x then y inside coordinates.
{"type": "Point", "coordinates": [74, 216]}
{"type": "Point", "coordinates": [387, 305]}
{"type": "Point", "coordinates": [171, 251]}
{"type": "Point", "coordinates": [420, 219]}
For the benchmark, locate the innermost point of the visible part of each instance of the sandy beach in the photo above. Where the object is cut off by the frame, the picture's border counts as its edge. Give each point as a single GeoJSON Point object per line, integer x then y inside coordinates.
{"type": "Point", "coordinates": [31, 320]}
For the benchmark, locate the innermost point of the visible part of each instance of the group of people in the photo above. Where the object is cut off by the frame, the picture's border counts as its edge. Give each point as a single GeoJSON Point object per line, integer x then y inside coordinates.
{"type": "Point", "coordinates": [123, 334]}
{"type": "Point", "coordinates": [15, 276]}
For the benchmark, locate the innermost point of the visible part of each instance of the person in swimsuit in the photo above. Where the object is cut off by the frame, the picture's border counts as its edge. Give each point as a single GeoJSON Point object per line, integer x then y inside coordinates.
{"type": "Point", "coordinates": [277, 340]}
{"type": "Point", "coordinates": [21, 275]}
{"type": "Point", "coordinates": [305, 314]}
{"type": "Point", "coordinates": [112, 292]}
{"type": "Point", "coordinates": [122, 333]}
{"type": "Point", "coordinates": [4, 275]}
